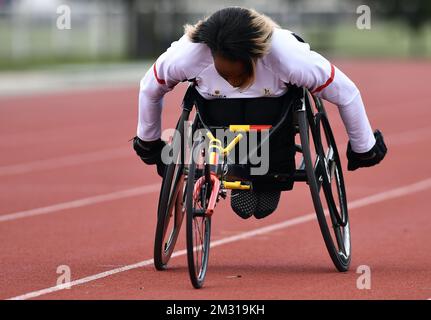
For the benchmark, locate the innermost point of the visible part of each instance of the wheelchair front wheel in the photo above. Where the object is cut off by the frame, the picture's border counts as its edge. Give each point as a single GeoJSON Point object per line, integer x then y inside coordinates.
{"type": "Point", "coordinates": [198, 223]}
{"type": "Point", "coordinates": [326, 182]}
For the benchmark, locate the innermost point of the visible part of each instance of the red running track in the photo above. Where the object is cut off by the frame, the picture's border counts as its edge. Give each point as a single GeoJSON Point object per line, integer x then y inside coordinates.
{"type": "Point", "coordinates": [73, 193]}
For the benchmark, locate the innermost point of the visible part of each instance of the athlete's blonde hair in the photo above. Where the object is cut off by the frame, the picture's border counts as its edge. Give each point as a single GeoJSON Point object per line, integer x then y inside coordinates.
{"type": "Point", "coordinates": [235, 33]}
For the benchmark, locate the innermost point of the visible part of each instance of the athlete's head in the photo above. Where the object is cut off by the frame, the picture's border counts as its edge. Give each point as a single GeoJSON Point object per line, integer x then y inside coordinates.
{"type": "Point", "coordinates": [237, 37]}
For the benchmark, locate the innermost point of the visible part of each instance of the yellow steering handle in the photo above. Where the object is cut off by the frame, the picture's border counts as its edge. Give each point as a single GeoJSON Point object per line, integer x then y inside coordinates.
{"type": "Point", "coordinates": [216, 143]}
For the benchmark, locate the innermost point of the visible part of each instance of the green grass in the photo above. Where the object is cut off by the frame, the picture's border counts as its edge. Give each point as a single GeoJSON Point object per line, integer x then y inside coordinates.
{"type": "Point", "coordinates": [41, 51]}
{"type": "Point", "coordinates": [52, 62]}
{"type": "Point", "coordinates": [382, 40]}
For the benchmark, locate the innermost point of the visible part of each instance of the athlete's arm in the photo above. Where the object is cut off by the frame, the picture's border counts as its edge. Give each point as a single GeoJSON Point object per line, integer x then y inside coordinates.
{"type": "Point", "coordinates": [306, 68]}
{"type": "Point", "coordinates": [182, 61]}
{"type": "Point", "coordinates": [159, 79]}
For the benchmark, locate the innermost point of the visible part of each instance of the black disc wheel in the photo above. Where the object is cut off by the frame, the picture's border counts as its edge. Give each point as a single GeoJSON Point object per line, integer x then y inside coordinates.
{"type": "Point", "coordinates": [325, 179]}
{"type": "Point", "coordinates": [198, 223]}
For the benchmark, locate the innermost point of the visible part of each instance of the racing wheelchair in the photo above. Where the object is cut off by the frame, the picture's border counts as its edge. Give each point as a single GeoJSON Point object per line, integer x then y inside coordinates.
{"type": "Point", "coordinates": [200, 174]}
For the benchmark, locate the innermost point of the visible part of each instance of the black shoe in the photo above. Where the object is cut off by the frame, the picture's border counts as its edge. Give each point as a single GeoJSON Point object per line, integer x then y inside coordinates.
{"type": "Point", "coordinates": [243, 202]}
{"type": "Point", "coordinates": [267, 203]}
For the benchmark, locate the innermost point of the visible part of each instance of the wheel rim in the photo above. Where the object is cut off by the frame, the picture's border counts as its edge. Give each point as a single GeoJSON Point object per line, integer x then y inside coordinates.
{"type": "Point", "coordinates": [200, 239]}
{"type": "Point", "coordinates": [174, 206]}
{"type": "Point", "coordinates": [332, 185]}
{"type": "Point", "coordinates": [176, 211]}
{"type": "Point", "coordinates": [329, 197]}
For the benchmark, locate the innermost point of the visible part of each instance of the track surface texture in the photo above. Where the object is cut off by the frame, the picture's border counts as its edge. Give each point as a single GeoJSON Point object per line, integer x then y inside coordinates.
{"type": "Point", "coordinates": [74, 194]}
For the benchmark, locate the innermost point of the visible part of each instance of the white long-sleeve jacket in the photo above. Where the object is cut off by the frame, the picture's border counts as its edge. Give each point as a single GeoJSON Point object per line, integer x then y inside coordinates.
{"type": "Point", "coordinates": [289, 61]}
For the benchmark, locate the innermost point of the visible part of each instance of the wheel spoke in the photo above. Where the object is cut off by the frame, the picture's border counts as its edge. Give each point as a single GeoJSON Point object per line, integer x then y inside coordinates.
{"type": "Point", "coordinates": [196, 247]}
{"type": "Point", "coordinates": [332, 167]}
{"type": "Point", "coordinates": [330, 154]}
{"type": "Point", "coordinates": [318, 172]}
{"type": "Point", "coordinates": [340, 237]}
{"type": "Point", "coordinates": [198, 229]}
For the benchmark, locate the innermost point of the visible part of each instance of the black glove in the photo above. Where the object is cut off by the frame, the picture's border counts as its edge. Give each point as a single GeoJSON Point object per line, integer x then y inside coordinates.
{"type": "Point", "coordinates": [367, 159]}
{"type": "Point", "coordinates": [150, 152]}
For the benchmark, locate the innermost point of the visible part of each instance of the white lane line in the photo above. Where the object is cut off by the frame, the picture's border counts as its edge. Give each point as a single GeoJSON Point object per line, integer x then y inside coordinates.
{"type": "Point", "coordinates": [383, 196]}
{"type": "Point", "coordinates": [81, 202]}
{"type": "Point", "coordinates": [66, 161]}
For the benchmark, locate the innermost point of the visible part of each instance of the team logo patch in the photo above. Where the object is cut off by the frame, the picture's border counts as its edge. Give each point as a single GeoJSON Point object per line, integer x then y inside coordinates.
{"type": "Point", "coordinates": [216, 94]}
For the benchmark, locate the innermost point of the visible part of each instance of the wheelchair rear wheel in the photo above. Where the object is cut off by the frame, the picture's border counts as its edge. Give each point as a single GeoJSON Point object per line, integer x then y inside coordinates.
{"type": "Point", "coordinates": [325, 179]}
{"type": "Point", "coordinates": [171, 209]}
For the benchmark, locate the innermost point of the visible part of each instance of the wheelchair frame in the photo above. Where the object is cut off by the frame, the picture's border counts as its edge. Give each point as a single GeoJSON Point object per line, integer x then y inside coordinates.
{"type": "Point", "coordinates": [193, 190]}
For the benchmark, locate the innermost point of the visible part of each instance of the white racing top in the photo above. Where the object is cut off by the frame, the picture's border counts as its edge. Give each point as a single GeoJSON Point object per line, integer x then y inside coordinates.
{"type": "Point", "coordinates": [289, 61]}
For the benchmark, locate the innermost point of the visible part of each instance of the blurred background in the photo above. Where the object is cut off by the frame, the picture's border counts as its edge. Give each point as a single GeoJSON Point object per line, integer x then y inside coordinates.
{"type": "Point", "coordinates": [135, 30]}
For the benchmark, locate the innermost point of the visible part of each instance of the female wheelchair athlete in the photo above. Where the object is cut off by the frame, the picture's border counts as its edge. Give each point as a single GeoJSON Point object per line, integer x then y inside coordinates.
{"type": "Point", "coordinates": [193, 189]}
